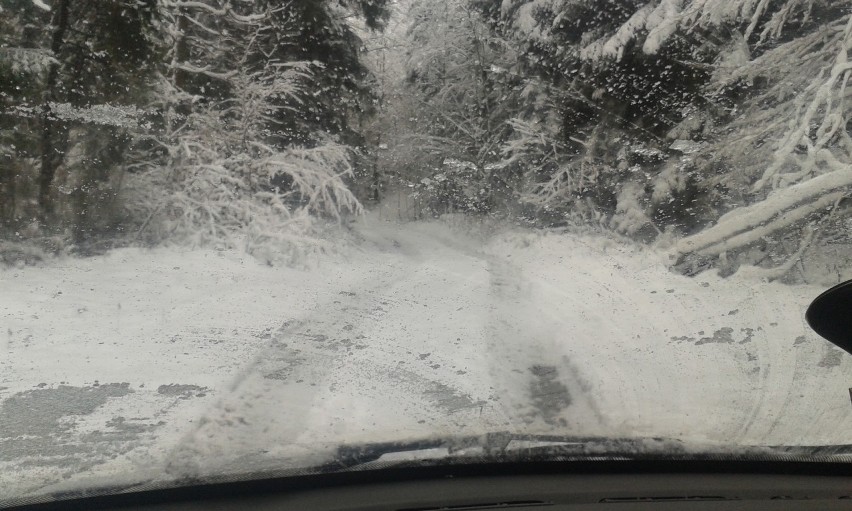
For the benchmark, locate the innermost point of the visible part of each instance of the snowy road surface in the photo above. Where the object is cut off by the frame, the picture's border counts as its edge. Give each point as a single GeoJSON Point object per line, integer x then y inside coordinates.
{"type": "Point", "coordinates": [168, 363]}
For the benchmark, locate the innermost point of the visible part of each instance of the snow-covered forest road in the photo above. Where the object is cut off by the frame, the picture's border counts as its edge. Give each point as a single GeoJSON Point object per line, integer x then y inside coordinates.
{"type": "Point", "coordinates": [418, 330]}
{"type": "Point", "coordinates": [610, 218]}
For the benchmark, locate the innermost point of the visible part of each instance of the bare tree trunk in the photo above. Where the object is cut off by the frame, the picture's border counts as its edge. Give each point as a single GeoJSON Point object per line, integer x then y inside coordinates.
{"type": "Point", "coordinates": [54, 133]}
{"type": "Point", "coordinates": [7, 194]}
{"type": "Point", "coordinates": [376, 177]}
{"type": "Point", "coordinates": [181, 50]}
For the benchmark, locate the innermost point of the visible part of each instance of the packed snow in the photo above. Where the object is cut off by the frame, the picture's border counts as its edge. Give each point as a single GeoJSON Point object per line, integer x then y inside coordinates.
{"type": "Point", "coordinates": [165, 363]}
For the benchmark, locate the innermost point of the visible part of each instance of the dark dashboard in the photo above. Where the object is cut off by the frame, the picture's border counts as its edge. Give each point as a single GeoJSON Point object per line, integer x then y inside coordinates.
{"type": "Point", "coordinates": [621, 485]}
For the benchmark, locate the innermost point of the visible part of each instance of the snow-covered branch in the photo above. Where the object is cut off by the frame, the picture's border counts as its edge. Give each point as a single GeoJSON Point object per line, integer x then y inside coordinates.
{"type": "Point", "coordinates": [227, 184]}
{"type": "Point", "coordinates": [211, 10]}
{"type": "Point", "coordinates": [780, 209]}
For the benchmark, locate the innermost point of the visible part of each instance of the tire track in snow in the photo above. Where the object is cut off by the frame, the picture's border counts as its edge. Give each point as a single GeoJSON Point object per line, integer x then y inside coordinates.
{"type": "Point", "coordinates": [281, 378]}
{"type": "Point", "coordinates": [357, 367]}
{"type": "Point", "coordinates": [536, 391]}
{"type": "Point", "coordinates": [773, 385]}
{"type": "Point", "coordinates": [545, 393]}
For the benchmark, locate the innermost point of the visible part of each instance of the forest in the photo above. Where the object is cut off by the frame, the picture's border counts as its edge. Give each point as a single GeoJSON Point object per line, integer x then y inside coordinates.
{"type": "Point", "coordinates": [714, 130]}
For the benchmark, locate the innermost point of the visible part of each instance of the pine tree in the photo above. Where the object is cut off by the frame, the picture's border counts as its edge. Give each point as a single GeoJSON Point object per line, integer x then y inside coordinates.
{"type": "Point", "coordinates": [104, 100]}
{"type": "Point", "coordinates": [258, 128]}
{"type": "Point", "coordinates": [453, 107]}
{"type": "Point", "coordinates": [674, 112]}
{"type": "Point", "coordinates": [76, 58]}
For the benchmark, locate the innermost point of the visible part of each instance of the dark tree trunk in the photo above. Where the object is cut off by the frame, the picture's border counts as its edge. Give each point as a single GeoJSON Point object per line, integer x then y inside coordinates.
{"type": "Point", "coordinates": [181, 49]}
{"type": "Point", "coordinates": [54, 133]}
{"type": "Point", "coordinates": [7, 193]}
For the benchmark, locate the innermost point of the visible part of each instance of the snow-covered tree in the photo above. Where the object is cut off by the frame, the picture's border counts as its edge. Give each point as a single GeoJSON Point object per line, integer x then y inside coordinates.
{"type": "Point", "coordinates": [248, 153]}
{"type": "Point", "coordinates": [156, 115]}
{"type": "Point", "coordinates": [450, 112]}
{"type": "Point", "coordinates": [789, 138]}
{"type": "Point", "coordinates": [63, 65]}
{"type": "Point", "coordinates": [675, 112]}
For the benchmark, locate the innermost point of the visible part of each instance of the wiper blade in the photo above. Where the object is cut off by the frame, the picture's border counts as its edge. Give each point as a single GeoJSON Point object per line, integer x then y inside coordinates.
{"type": "Point", "coordinates": [499, 445]}
{"type": "Point", "coordinates": [504, 446]}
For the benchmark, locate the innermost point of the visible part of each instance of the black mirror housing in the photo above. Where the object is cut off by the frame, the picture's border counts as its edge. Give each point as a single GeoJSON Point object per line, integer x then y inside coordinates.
{"type": "Point", "coordinates": [830, 315]}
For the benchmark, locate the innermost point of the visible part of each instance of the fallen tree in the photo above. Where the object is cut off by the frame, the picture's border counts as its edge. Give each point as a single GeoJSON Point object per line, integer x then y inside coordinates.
{"type": "Point", "coordinates": [781, 209]}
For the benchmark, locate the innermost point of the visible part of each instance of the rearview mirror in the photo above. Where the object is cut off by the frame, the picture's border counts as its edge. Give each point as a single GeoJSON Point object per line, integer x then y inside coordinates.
{"type": "Point", "coordinates": [830, 315]}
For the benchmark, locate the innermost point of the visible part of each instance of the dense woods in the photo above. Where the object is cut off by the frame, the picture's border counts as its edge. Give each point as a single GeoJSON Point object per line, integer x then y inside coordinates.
{"type": "Point", "coordinates": [218, 123]}
{"type": "Point", "coordinates": [714, 129]}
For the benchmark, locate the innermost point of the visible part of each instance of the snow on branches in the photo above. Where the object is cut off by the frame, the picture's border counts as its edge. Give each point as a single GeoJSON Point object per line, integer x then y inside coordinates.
{"type": "Point", "coordinates": [655, 22]}
{"type": "Point", "coordinates": [763, 92]}
{"type": "Point", "coordinates": [233, 177]}
{"type": "Point", "coordinates": [794, 131]}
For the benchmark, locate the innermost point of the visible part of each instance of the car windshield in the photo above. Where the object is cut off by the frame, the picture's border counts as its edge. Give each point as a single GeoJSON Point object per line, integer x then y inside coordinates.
{"type": "Point", "coordinates": [249, 236]}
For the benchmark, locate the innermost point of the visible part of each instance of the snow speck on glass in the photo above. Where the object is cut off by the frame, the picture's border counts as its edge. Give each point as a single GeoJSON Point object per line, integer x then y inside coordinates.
{"type": "Point", "coordinates": [239, 237]}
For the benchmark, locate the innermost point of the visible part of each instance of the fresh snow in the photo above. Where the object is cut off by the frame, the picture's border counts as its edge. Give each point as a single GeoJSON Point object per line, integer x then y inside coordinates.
{"type": "Point", "coordinates": [166, 363]}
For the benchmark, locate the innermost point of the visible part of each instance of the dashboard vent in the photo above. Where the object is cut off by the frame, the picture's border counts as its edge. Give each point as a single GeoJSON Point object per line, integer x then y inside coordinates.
{"type": "Point", "coordinates": [688, 498]}
{"type": "Point", "coordinates": [491, 505]}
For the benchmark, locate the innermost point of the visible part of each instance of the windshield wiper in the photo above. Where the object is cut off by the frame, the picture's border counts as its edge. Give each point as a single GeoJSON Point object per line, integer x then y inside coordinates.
{"type": "Point", "coordinates": [504, 446]}
{"type": "Point", "coordinates": [498, 446]}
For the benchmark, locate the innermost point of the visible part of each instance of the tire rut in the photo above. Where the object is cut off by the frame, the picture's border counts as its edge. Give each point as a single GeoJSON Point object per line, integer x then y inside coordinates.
{"type": "Point", "coordinates": [543, 393]}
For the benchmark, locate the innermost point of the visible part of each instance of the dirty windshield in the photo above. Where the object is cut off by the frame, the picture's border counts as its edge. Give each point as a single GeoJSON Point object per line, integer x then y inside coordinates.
{"type": "Point", "coordinates": [244, 236]}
